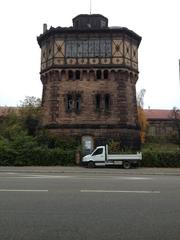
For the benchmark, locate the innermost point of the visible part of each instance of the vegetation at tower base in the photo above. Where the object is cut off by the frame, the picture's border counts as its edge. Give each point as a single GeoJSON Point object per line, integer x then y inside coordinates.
{"type": "Point", "coordinates": [24, 143]}
{"type": "Point", "coordinates": [156, 158]}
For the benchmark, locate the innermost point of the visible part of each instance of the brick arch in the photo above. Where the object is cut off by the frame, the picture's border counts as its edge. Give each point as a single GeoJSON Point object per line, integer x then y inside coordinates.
{"type": "Point", "coordinates": [63, 74]}
{"type": "Point", "coordinates": [91, 74]}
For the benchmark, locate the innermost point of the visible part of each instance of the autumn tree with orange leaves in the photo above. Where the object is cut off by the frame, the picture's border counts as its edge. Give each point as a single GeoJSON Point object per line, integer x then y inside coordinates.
{"type": "Point", "coordinates": [141, 115]}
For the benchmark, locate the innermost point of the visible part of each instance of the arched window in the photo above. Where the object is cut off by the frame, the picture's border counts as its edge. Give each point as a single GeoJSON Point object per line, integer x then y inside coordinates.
{"type": "Point", "coordinates": [105, 74]}
{"type": "Point", "coordinates": [78, 74]}
{"type": "Point", "coordinates": [70, 75]}
{"type": "Point", "coordinates": [98, 74]}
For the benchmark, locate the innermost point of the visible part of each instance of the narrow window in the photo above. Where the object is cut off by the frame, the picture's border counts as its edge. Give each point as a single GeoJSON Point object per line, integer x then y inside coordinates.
{"type": "Point", "coordinates": [78, 74]}
{"type": "Point", "coordinates": [98, 74]}
{"type": "Point", "coordinates": [107, 102]}
{"type": "Point", "coordinates": [63, 74]}
{"type": "Point", "coordinates": [69, 103]}
{"type": "Point", "coordinates": [78, 103]}
{"type": "Point", "coordinates": [98, 102]}
{"type": "Point", "coordinates": [105, 74]}
{"type": "Point", "coordinates": [70, 75]}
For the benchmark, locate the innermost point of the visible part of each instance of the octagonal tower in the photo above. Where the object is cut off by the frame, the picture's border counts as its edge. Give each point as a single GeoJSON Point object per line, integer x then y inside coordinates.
{"type": "Point", "coordinates": [89, 73]}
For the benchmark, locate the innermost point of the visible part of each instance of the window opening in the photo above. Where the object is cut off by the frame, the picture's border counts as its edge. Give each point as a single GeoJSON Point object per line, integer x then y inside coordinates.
{"type": "Point", "coordinates": [78, 103]}
{"type": "Point", "coordinates": [78, 74]}
{"type": "Point", "coordinates": [69, 103]}
{"type": "Point", "coordinates": [106, 74]}
{"type": "Point", "coordinates": [70, 75]}
{"type": "Point", "coordinates": [98, 74]}
{"type": "Point", "coordinates": [98, 151]}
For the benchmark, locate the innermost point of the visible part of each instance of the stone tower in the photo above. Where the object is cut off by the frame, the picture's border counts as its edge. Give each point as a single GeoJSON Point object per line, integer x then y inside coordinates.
{"type": "Point", "coordinates": [89, 73]}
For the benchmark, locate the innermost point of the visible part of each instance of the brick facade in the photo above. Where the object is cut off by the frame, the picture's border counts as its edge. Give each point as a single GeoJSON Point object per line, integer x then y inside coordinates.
{"type": "Point", "coordinates": [86, 94]}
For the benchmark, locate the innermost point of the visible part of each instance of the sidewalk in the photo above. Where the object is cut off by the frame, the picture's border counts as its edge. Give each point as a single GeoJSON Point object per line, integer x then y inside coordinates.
{"type": "Point", "coordinates": [83, 170]}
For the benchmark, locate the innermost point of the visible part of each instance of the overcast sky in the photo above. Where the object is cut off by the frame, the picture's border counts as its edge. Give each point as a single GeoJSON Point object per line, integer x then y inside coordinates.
{"type": "Point", "coordinates": [156, 21]}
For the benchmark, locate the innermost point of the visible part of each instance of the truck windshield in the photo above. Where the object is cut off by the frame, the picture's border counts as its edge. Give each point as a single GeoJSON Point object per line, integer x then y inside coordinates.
{"type": "Point", "coordinates": [98, 151]}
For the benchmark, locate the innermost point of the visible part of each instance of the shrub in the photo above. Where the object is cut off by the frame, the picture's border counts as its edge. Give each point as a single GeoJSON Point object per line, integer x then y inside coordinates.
{"type": "Point", "coordinates": [161, 159]}
{"type": "Point", "coordinates": [24, 150]}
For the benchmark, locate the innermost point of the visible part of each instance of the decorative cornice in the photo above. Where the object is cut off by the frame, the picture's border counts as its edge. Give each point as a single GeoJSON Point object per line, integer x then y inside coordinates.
{"type": "Point", "coordinates": [70, 30]}
{"type": "Point", "coordinates": [91, 126]}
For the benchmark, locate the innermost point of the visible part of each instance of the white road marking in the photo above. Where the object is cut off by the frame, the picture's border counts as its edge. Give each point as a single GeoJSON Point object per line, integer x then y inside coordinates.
{"type": "Point", "coordinates": [43, 176]}
{"type": "Point", "coordinates": [22, 190]}
{"type": "Point", "coordinates": [37, 176]}
{"type": "Point", "coordinates": [117, 191]}
{"type": "Point", "coordinates": [133, 178]}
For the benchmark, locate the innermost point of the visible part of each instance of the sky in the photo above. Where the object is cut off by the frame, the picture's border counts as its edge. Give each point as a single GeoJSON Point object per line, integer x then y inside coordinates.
{"type": "Point", "coordinates": [156, 21]}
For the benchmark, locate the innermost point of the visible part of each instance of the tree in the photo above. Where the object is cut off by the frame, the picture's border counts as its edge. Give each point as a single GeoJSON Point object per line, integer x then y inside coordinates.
{"type": "Point", "coordinates": [30, 114]}
{"type": "Point", "coordinates": [10, 124]}
{"type": "Point", "coordinates": [141, 115]}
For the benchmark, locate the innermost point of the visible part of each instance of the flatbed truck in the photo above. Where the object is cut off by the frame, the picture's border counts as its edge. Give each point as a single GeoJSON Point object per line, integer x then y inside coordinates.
{"type": "Point", "coordinates": [101, 157]}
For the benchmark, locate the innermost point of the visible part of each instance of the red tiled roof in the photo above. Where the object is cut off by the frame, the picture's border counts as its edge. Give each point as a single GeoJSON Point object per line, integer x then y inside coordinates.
{"type": "Point", "coordinates": [158, 114]}
{"type": "Point", "coordinates": [5, 110]}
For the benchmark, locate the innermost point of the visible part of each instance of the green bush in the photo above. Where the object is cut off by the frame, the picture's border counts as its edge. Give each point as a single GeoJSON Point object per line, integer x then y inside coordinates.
{"type": "Point", "coordinates": [161, 159]}
{"type": "Point", "coordinates": [23, 143]}
{"type": "Point", "coordinates": [24, 150]}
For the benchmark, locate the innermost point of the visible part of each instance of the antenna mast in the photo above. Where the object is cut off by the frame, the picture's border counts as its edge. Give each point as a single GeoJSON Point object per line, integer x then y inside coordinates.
{"type": "Point", "coordinates": [90, 6]}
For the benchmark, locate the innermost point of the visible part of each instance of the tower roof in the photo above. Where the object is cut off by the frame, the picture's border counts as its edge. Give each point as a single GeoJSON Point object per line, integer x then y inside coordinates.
{"type": "Point", "coordinates": [91, 21]}
{"type": "Point", "coordinates": [85, 24]}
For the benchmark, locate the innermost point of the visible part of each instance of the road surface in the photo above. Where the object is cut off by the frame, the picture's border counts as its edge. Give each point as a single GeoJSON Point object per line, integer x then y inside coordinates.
{"type": "Point", "coordinates": [89, 206]}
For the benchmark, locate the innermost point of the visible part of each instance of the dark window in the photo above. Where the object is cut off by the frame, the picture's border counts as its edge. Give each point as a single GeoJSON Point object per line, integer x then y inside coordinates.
{"type": "Point", "coordinates": [105, 74]}
{"type": "Point", "coordinates": [70, 75]}
{"type": "Point", "coordinates": [98, 74]}
{"type": "Point", "coordinates": [78, 103]}
{"type": "Point", "coordinates": [63, 74]}
{"type": "Point", "coordinates": [69, 103]}
{"type": "Point", "coordinates": [98, 102]}
{"type": "Point", "coordinates": [107, 102]}
{"type": "Point", "coordinates": [78, 74]}
{"type": "Point", "coordinates": [88, 48]}
{"type": "Point", "coordinates": [98, 151]}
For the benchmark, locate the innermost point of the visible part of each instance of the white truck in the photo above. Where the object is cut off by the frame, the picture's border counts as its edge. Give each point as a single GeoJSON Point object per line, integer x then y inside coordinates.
{"type": "Point", "coordinates": [101, 157]}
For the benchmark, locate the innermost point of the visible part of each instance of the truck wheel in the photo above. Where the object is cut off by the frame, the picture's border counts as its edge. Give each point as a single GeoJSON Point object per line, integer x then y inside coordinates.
{"type": "Point", "coordinates": [91, 164]}
{"type": "Point", "coordinates": [126, 165]}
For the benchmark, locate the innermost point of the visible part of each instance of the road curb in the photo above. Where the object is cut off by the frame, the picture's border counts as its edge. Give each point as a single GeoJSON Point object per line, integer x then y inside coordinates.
{"type": "Point", "coordinates": [96, 171]}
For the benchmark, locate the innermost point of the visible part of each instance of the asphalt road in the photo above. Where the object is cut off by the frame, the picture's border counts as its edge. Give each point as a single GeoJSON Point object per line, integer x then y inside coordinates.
{"type": "Point", "coordinates": [79, 206]}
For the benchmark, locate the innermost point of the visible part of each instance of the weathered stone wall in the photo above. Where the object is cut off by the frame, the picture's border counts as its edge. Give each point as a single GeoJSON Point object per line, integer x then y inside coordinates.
{"type": "Point", "coordinates": [128, 138]}
{"type": "Point", "coordinates": [119, 86]}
